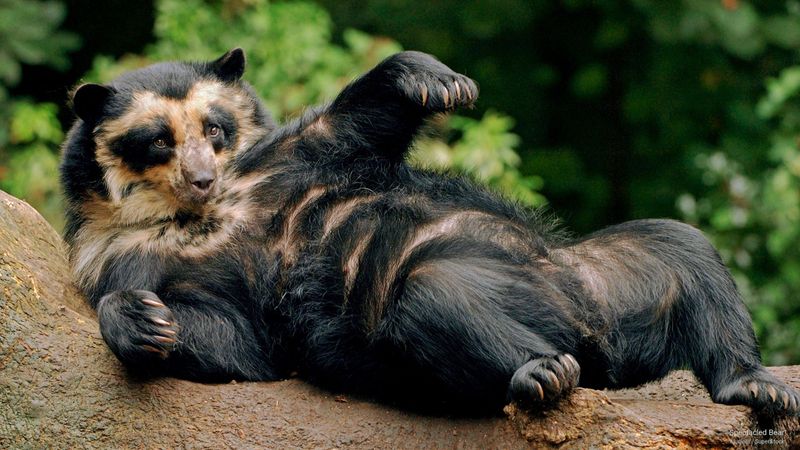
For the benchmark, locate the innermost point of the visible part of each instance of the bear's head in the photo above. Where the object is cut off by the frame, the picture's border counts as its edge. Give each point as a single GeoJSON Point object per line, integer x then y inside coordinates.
{"type": "Point", "coordinates": [158, 138]}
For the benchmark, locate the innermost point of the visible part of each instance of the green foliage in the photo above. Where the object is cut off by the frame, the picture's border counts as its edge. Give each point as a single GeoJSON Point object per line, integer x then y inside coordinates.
{"type": "Point", "coordinates": [779, 90]}
{"type": "Point", "coordinates": [32, 169]}
{"type": "Point", "coordinates": [486, 151]}
{"type": "Point", "coordinates": [30, 132]}
{"type": "Point", "coordinates": [753, 215]}
{"type": "Point", "coordinates": [28, 35]}
{"type": "Point", "coordinates": [32, 123]}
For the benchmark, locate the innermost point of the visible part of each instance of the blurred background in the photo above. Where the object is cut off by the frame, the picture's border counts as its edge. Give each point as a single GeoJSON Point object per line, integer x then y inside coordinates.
{"type": "Point", "coordinates": [602, 111]}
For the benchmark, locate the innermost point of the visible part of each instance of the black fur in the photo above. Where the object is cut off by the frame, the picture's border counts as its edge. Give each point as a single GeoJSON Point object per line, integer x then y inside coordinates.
{"type": "Point", "coordinates": [428, 288]}
{"type": "Point", "coordinates": [137, 149]}
{"type": "Point", "coordinates": [226, 121]}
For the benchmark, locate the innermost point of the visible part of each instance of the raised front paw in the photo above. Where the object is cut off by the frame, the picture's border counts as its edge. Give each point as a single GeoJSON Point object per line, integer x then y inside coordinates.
{"type": "Point", "coordinates": [137, 326]}
{"type": "Point", "coordinates": [429, 83]}
{"type": "Point", "coordinates": [544, 380]}
{"type": "Point", "coordinates": [761, 391]}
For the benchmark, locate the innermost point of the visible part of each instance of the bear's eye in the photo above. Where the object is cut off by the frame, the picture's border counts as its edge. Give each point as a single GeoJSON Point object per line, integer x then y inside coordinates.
{"type": "Point", "coordinates": [160, 142]}
{"type": "Point", "coordinates": [214, 130]}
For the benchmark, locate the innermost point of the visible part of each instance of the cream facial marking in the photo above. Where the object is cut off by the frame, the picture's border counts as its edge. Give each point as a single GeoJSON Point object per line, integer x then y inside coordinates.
{"type": "Point", "coordinates": [186, 119]}
{"type": "Point", "coordinates": [140, 213]}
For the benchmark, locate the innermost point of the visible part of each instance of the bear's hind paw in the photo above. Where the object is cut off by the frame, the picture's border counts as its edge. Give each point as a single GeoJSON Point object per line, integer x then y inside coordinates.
{"type": "Point", "coordinates": [762, 392]}
{"type": "Point", "coordinates": [544, 380]}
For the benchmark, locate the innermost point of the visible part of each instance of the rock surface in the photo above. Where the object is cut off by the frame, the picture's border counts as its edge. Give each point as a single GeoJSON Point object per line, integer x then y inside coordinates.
{"type": "Point", "coordinates": [61, 387]}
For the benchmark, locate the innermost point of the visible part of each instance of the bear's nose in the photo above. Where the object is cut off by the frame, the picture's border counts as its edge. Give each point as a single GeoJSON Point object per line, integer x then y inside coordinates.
{"type": "Point", "coordinates": [199, 168]}
{"type": "Point", "coordinates": [202, 180]}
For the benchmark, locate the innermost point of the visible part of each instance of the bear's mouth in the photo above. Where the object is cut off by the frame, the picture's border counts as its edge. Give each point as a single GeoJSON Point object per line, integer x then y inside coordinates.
{"type": "Point", "coordinates": [193, 198]}
{"type": "Point", "coordinates": [199, 177]}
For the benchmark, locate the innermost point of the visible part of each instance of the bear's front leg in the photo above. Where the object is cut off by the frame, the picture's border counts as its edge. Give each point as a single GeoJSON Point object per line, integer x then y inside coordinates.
{"type": "Point", "coordinates": [381, 112]}
{"type": "Point", "coordinates": [426, 82]}
{"type": "Point", "coordinates": [184, 332]}
{"type": "Point", "coordinates": [137, 326]}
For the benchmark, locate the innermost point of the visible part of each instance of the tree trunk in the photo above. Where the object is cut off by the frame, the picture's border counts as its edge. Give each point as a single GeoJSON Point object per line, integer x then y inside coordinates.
{"type": "Point", "coordinates": [61, 387]}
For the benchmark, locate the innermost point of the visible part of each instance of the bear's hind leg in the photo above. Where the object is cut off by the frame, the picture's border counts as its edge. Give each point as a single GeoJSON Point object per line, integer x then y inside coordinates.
{"type": "Point", "coordinates": [542, 381]}
{"type": "Point", "coordinates": [483, 330]}
{"type": "Point", "coordinates": [675, 304]}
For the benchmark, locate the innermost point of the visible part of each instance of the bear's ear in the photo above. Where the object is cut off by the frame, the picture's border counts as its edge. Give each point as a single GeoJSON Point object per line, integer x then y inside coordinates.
{"type": "Point", "coordinates": [89, 100]}
{"type": "Point", "coordinates": [230, 66]}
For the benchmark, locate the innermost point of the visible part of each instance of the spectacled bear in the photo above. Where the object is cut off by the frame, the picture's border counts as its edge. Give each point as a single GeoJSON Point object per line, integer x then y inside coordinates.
{"type": "Point", "coordinates": [216, 245]}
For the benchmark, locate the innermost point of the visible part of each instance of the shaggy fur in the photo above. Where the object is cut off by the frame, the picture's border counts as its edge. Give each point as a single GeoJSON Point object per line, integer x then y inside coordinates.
{"type": "Point", "coordinates": [217, 246]}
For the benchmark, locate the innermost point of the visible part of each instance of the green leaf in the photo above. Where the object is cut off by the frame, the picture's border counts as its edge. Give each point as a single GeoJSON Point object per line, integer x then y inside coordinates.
{"type": "Point", "coordinates": [35, 122]}
{"type": "Point", "coordinates": [590, 81]}
{"type": "Point", "coordinates": [779, 91]}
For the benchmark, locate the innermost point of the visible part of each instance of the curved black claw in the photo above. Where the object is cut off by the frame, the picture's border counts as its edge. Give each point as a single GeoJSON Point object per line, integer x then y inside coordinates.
{"type": "Point", "coordinates": [761, 391]}
{"type": "Point", "coordinates": [545, 380]}
{"type": "Point", "coordinates": [137, 325]}
{"type": "Point", "coordinates": [431, 84]}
